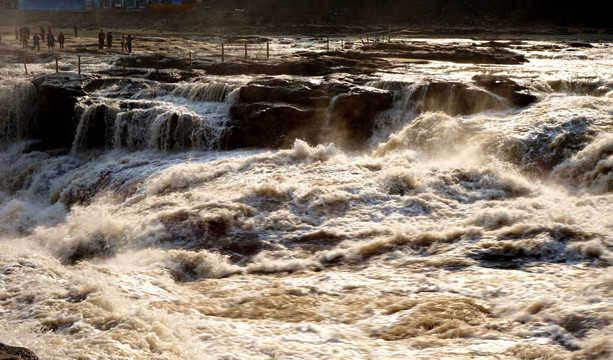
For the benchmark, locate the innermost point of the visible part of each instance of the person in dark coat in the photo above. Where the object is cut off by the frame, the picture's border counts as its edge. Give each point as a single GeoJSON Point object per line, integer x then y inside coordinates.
{"type": "Point", "coordinates": [129, 39]}
{"type": "Point", "coordinates": [60, 39]}
{"type": "Point", "coordinates": [109, 39]}
{"type": "Point", "coordinates": [36, 40]}
{"type": "Point", "coordinates": [101, 37]}
{"type": "Point", "coordinates": [50, 41]}
{"type": "Point", "coordinates": [42, 32]}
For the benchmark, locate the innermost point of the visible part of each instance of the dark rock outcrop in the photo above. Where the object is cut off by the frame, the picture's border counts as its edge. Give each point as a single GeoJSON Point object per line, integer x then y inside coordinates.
{"type": "Point", "coordinates": [273, 113]}
{"type": "Point", "coordinates": [272, 126]}
{"type": "Point", "coordinates": [455, 98]}
{"type": "Point", "coordinates": [297, 92]}
{"type": "Point", "coordinates": [57, 96]}
{"type": "Point", "coordinates": [306, 64]}
{"type": "Point", "coordinates": [303, 64]}
{"type": "Point", "coordinates": [449, 52]}
{"type": "Point", "coordinates": [506, 88]}
{"type": "Point", "coordinates": [16, 353]}
{"type": "Point", "coordinates": [352, 115]}
{"type": "Point", "coordinates": [580, 45]}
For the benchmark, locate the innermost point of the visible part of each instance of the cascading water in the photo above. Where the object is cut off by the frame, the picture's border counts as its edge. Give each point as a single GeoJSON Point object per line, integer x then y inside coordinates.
{"type": "Point", "coordinates": [95, 122]}
{"type": "Point", "coordinates": [188, 117]}
{"type": "Point", "coordinates": [205, 92]}
{"type": "Point", "coordinates": [473, 224]}
{"type": "Point", "coordinates": [17, 111]}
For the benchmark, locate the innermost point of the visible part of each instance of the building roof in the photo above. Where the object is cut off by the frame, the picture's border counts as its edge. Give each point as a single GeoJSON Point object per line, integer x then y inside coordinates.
{"type": "Point", "coordinates": [51, 4]}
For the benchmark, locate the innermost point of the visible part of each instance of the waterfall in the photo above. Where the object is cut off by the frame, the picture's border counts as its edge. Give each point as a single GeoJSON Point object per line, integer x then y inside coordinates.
{"type": "Point", "coordinates": [408, 104]}
{"type": "Point", "coordinates": [204, 92]}
{"type": "Point", "coordinates": [94, 126]}
{"type": "Point", "coordinates": [17, 111]}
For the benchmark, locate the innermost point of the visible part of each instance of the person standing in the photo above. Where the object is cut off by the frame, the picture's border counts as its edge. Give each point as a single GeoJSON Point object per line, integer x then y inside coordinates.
{"type": "Point", "coordinates": [109, 40]}
{"type": "Point", "coordinates": [129, 42]}
{"type": "Point", "coordinates": [101, 37]}
{"type": "Point", "coordinates": [36, 40]}
{"type": "Point", "coordinates": [42, 33]}
{"type": "Point", "coordinates": [24, 40]}
{"type": "Point", "coordinates": [50, 40]}
{"type": "Point", "coordinates": [60, 39]}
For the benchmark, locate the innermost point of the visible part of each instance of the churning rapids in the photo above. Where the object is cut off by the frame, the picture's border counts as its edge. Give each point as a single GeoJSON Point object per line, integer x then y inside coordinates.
{"type": "Point", "coordinates": [466, 224]}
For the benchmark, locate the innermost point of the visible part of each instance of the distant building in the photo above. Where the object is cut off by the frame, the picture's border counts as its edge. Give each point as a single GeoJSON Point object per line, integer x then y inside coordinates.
{"type": "Point", "coordinates": [84, 4]}
{"type": "Point", "coordinates": [8, 4]}
{"type": "Point", "coordinates": [133, 4]}
{"type": "Point", "coordinates": [51, 4]}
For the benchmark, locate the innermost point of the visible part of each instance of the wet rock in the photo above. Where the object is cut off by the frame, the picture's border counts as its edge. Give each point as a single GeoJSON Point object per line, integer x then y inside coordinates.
{"type": "Point", "coordinates": [16, 353]}
{"type": "Point", "coordinates": [446, 52]}
{"type": "Point", "coordinates": [169, 76]}
{"type": "Point", "coordinates": [305, 65]}
{"type": "Point", "coordinates": [57, 96]}
{"type": "Point", "coordinates": [272, 113]}
{"type": "Point", "coordinates": [297, 92]}
{"type": "Point", "coordinates": [505, 88]}
{"type": "Point", "coordinates": [504, 44]}
{"type": "Point", "coordinates": [580, 45]}
{"type": "Point", "coordinates": [273, 126]}
{"type": "Point", "coordinates": [126, 87]}
{"type": "Point", "coordinates": [456, 98]}
{"type": "Point", "coordinates": [149, 61]}
{"type": "Point", "coordinates": [164, 68]}
{"type": "Point", "coordinates": [353, 113]}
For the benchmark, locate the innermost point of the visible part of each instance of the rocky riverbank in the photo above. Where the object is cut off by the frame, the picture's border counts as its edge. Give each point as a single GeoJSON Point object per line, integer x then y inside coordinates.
{"type": "Point", "coordinates": [271, 112]}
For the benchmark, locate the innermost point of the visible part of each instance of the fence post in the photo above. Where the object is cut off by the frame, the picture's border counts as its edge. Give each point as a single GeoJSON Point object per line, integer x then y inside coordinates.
{"type": "Point", "coordinates": [342, 45]}
{"type": "Point", "coordinates": [367, 41]}
{"type": "Point", "coordinates": [328, 44]}
{"type": "Point", "coordinates": [157, 67]}
{"type": "Point", "coordinates": [190, 60]}
{"type": "Point", "coordinates": [25, 66]}
{"type": "Point", "coordinates": [267, 49]}
{"type": "Point", "coordinates": [57, 69]}
{"type": "Point", "coordinates": [79, 63]}
{"type": "Point", "coordinates": [222, 52]}
{"type": "Point", "coordinates": [245, 49]}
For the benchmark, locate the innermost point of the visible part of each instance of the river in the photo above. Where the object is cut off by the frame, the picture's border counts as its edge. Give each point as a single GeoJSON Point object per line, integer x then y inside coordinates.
{"type": "Point", "coordinates": [446, 236]}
